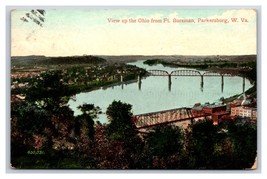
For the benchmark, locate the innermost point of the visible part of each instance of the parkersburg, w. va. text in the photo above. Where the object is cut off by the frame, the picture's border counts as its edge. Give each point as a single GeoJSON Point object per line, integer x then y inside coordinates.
{"type": "Point", "coordinates": [175, 20]}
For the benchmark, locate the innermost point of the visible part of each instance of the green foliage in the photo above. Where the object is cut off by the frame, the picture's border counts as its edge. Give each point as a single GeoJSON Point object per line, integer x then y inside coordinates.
{"type": "Point", "coordinates": [121, 132]}
{"type": "Point", "coordinates": [164, 148]}
{"type": "Point", "coordinates": [42, 122]}
{"type": "Point", "coordinates": [231, 145]}
{"type": "Point", "coordinates": [228, 64]}
{"type": "Point", "coordinates": [30, 118]}
{"type": "Point", "coordinates": [119, 115]}
{"type": "Point", "coordinates": [90, 110]}
{"type": "Point", "coordinates": [89, 113]}
{"type": "Point", "coordinates": [244, 138]}
{"type": "Point", "coordinates": [171, 64]}
{"type": "Point", "coordinates": [164, 141]}
{"type": "Point", "coordinates": [251, 74]}
{"type": "Point", "coordinates": [152, 62]}
{"type": "Point", "coordinates": [201, 145]}
{"type": "Point", "coordinates": [35, 132]}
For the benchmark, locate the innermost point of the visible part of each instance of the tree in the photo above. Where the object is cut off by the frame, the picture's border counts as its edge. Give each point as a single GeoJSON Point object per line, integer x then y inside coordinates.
{"type": "Point", "coordinates": [43, 122]}
{"type": "Point", "coordinates": [165, 140]}
{"type": "Point", "coordinates": [89, 113]}
{"type": "Point", "coordinates": [110, 154]}
{"type": "Point", "coordinates": [200, 144]}
{"type": "Point", "coordinates": [122, 131]}
{"type": "Point", "coordinates": [223, 157]}
{"type": "Point", "coordinates": [164, 148]}
{"type": "Point", "coordinates": [27, 131]}
{"type": "Point", "coordinates": [121, 126]}
{"type": "Point", "coordinates": [244, 137]}
{"type": "Point", "coordinates": [85, 135]}
{"type": "Point", "coordinates": [48, 91]}
{"type": "Point", "coordinates": [34, 129]}
{"type": "Point", "coordinates": [230, 145]}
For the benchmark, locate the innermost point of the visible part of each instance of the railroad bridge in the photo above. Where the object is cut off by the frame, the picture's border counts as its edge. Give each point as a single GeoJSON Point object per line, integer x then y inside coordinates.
{"type": "Point", "coordinates": [185, 73]}
{"type": "Point", "coordinates": [148, 120]}
{"type": "Point", "coordinates": [191, 73]}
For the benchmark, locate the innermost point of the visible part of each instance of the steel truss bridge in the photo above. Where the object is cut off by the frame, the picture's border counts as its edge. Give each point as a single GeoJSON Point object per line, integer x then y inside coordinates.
{"type": "Point", "coordinates": [185, 73]}
{"type": "Point", "coordinates": [193, 73]}
{"type": "Point", "coordinates": [148, 120]}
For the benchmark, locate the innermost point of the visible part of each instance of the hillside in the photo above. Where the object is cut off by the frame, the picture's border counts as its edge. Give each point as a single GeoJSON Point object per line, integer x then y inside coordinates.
{"type": "Point", "coordinates": [42, 60]}
{"type": "Point", "coordinates": [182, 58]}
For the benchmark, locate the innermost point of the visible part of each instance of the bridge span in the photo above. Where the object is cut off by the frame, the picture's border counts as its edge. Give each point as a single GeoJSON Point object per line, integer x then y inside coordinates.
{"type": "Point", "coordinates": [191, 73]}
{"type": "Point", "coordinates": [186, 73]}
{"type": "Point", "coordinates": [148, 120]}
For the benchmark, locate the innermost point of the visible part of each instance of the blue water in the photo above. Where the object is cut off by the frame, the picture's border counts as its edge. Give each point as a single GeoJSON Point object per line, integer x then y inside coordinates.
{"type": "Point", "coordinates": [155, 95]}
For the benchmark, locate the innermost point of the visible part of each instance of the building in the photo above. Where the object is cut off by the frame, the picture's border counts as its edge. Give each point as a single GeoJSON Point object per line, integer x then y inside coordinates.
{"type": "Point", "coordinates": [243, 111]}
{"type": "Point", "coordinates": [216, 111]}
{"type": "Point", "coordinates": [212, 108]}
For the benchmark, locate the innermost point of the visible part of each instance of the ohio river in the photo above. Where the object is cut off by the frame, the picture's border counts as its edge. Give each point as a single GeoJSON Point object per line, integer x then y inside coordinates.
{"type": "Point", "coordinates": [154, 94]}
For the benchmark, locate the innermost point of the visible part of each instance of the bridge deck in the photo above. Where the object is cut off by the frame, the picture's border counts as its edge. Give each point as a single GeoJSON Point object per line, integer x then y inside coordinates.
{"type": "Point", "coordinates": [186, 73]}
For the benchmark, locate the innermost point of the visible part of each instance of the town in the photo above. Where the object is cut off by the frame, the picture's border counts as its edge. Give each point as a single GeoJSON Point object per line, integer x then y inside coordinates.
{"type": "Point", "coordinates": [79, 75]}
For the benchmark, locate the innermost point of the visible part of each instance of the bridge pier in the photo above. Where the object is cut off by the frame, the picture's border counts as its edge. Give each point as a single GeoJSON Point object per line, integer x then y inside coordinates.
{"type": "Point", "coordinates": [121, 82]}
{"type": "Point", "coordinates": [222, 84]}
{"type": "Point", "coordinates": [244, 84]}
{"type": "Point", "coordinates": [139, 81]}
{"type": "Point", "coordinates": [169, 82]}
{"type": "Point", "coordinates": [201, 83]}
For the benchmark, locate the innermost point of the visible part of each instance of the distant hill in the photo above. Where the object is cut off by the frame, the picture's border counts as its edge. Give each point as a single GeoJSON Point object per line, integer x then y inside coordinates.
{"type": "Point", "coordinates": [131, 58]}
{"type": "Point", "coordinates": [182, 58]}
{"type": "Point", "coordinates": [42, 60]}
{"type": "Point", "coordinates": [88, 59]}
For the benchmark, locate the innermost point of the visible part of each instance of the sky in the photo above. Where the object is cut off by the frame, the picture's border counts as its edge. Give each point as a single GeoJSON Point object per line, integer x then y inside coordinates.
{"type": "Point", "coordinates": [69, 32]}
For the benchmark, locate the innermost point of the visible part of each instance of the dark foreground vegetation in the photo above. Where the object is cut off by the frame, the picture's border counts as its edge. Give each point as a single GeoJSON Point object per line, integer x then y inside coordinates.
{"type": "Point", "coordinates": [46, 135]}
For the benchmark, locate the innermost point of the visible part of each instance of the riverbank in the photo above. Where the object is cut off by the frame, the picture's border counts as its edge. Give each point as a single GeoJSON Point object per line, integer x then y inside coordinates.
{"type": "Point", "coordinates": [86, 88]}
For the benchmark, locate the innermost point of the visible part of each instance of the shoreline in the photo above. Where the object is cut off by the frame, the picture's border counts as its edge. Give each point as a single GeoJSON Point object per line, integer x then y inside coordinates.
{"type": "Point", "coordinates": [233, 72]}
{"type": "Point", "coordinates": [118, 83]}
{"type": "Point", "coordinates": [108, 86]}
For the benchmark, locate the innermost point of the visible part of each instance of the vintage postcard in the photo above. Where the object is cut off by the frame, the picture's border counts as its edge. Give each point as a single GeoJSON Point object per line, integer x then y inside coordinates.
{"type": "Point", "coordinates": [134, 88]}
